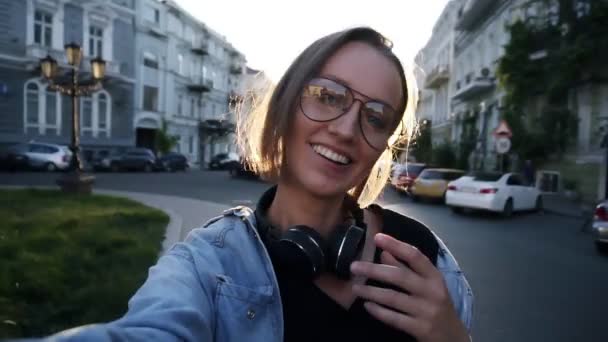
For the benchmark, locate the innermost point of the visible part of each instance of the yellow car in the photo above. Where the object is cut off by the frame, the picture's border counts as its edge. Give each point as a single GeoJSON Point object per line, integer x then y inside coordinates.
{"type": "Point", "coordinates": [433, 183]}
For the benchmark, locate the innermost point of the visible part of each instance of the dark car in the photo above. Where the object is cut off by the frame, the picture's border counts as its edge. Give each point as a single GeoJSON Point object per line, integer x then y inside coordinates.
{"type": "Point", "coordinates": [223, 161]}
{"type": "Point", "coordinates": [173, 161]}
{"type": "Point", "coordinates": [14, 158]}
{"type": "Point", "coordinates": [241, 169]}
{"type": "Point", "coordinates": [136, 159]}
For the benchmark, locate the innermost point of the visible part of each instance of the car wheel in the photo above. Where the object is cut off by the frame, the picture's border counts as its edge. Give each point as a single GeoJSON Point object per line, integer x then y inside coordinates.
{"type": "Point", "coordinates": [538, 207]}
{"type": "Point", "coordinates": [147, 168]}
{"type": "Point", "coordinates": [507, 211]}
{"type": "Point", "coordinates": [50, 167]}
{"type": "Point", "coordinates": [415, 198]}
{"type": "Point", "coordinates": [114, 167]}
{"type": "Point", "coordinates": [601, 247]}
{"type": "Point", "coordinates": [456, 210]}
{"type": "Point", "coordinates": [233, 172]}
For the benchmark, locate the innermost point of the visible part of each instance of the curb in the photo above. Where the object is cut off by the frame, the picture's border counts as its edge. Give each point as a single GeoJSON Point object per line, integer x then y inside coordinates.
{"type": "Point", "coordinates": [173, 231]}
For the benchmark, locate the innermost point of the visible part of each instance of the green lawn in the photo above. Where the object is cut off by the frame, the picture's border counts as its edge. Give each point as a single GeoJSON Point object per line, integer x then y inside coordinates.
{"type": "Point", "coordinates": [68, 260]}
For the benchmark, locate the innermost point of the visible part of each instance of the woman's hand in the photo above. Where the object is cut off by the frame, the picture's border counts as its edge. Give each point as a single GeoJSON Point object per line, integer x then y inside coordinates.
{"type": "Point", "coordinates": [426, 312]}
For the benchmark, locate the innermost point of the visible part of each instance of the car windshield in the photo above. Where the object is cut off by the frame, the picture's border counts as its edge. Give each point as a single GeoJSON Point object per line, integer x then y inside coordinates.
{"type": "Point", "coordinates": [487, 177]}
{"type": "Point", "coordinates": [413, 168]}
{"type": "Point", "coordinates": [432, 174]}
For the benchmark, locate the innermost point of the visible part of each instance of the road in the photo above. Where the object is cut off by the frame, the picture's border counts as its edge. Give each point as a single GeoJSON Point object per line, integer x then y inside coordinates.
{"type": "Point", "coordinates": [535, 277]}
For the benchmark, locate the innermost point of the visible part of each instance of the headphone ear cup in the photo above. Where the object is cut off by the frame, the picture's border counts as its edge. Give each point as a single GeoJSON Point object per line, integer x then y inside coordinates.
{"type": "Point", "coordinates": [303, 248]}
{"type": "Point", "coordinates": [344, 247]}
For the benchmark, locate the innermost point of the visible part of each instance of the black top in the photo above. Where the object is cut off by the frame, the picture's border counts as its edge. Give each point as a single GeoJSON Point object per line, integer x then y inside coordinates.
{"type": "Point", "coordinates": [311, 315]}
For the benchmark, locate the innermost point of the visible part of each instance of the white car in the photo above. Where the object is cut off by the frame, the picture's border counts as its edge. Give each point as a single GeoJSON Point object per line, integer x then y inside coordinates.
{"type": "Point", "coordinates": [503, 193]}
{"type": "Point", "coordinates": [49, 157]}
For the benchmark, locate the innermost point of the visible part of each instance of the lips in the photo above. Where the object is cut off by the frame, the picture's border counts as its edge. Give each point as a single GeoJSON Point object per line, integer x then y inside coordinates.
{"type": "Point", "coordinates": [331, 154]}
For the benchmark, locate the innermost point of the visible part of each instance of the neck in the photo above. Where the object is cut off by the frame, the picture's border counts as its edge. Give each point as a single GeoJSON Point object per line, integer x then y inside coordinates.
{"type": "Point", "coordinates": [295, 206]}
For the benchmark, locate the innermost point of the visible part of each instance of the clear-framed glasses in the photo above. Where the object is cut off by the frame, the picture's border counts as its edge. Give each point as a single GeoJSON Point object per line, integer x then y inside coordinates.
{"type": "Point", "coordinates": [325, 100]}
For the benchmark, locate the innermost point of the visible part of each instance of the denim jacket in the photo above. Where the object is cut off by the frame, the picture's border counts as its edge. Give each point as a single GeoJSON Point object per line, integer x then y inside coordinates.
{"type": "Point", "coordinates": [219, 285]}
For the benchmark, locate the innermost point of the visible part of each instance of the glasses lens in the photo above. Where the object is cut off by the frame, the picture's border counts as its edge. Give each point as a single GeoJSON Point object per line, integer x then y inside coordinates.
{"type": "Point", "coordinates": [324, 100]}
{"type": "Point", "coordinates": [376, 123]}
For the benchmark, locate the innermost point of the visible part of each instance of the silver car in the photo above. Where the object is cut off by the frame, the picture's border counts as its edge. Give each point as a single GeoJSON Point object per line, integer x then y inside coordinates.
{"type": "Point", "coordinates": [600, 226]}
{"type": "Point", "coordinates": [48, 157]}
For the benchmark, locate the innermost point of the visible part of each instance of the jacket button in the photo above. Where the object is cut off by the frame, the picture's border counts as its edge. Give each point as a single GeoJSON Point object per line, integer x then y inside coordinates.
{"type": "Point", "coordinates": [250, 314]}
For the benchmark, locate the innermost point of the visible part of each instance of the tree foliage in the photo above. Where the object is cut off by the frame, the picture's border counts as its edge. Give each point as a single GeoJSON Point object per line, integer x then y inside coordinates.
{"type": "Point", "coordinates": [164, 142]}
{"type": "Point", "coordinates": [548, 60]}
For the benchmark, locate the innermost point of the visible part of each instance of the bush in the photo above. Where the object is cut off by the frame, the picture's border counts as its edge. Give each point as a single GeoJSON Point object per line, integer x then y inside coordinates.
{"type": "Point", "coordinates": [68, 260]}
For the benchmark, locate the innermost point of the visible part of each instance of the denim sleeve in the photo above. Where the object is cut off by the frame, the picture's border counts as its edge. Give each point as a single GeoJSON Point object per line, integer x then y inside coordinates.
{"type": "Point", "coordinates": [172, 305]}
{"type": "Point", "coordinates": [458, 286]}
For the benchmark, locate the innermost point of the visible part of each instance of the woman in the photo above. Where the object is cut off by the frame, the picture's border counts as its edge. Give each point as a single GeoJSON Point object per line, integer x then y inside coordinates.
{"type": "Point", "coordinates": [309, 263]}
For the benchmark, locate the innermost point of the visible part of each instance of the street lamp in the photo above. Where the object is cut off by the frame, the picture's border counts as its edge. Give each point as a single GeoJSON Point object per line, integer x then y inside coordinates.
{"type": "Point", "coordinates": [74, 180]}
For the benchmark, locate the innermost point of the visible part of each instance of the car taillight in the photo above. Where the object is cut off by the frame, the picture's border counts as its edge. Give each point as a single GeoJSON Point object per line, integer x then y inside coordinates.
{"type": "Point", "coordinates": [452, 187]}
{"type": "Point", "coordinates": [601, 214]}
{"type": "Point", "coordinates": [488, 191]}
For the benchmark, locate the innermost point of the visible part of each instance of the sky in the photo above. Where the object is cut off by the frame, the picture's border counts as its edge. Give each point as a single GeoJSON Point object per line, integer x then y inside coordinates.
{"type": "Point", "coordinates": [272, 33]}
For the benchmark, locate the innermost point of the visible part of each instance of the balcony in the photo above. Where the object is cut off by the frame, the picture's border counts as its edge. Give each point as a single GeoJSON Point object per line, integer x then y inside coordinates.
{"type": "Point", "coordinates": [201, 49]}
{"type": "Point", "coordinates": [112, 67]}
{"type": "Point", "coordinates": [217, 127]}
{"type": "Point", "coordinates": [474, 12]}
{"type": "Point", "coordinates": [438, 76]}
{"type": "Point", "coordinates": [235, 99]}
{"type": "Point", "coordinates": [200, 85]}
{"type": "Point", "coordinates": [474, 86]}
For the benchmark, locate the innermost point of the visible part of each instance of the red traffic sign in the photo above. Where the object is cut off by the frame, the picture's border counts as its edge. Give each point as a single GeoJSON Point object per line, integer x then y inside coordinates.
{"type": "Point", "coordinates": [503, 130]}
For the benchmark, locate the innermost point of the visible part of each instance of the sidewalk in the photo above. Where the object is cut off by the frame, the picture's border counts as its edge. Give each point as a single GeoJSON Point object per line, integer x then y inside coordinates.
{"type": "Point", "coordinates": [561, 205]}
{"type": "Point", "coordinates": [185, 213]}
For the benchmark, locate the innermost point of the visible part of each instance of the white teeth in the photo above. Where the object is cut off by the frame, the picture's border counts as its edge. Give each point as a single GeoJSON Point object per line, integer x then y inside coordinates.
{"type": "Point", "coordinates": [329, 154]}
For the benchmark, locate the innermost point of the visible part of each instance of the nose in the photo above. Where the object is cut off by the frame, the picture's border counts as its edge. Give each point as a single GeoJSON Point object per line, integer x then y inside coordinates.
{"type": "Point", "coordinates": [346, 126]}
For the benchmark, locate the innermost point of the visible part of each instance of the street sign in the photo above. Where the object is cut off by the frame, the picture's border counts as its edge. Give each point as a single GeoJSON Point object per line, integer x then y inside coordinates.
{"type": "Point", "coordinates": [503, 130]}
{"type": "Point", "coordinates": [503, 145]}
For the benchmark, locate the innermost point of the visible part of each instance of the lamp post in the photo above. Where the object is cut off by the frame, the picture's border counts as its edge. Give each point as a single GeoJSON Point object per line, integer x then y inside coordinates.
{"type": "Point", "coordinates": [74, 180]}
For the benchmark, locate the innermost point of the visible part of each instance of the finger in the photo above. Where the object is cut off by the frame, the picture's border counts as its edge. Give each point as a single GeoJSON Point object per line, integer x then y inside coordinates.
{"type": "Point", "coordinates": [401, 277]}
{"type": "Point", "coordinates": [387, 258]}
{"type": "Point", "coordinates": [395, 319]}
{"type": "Point", "coordinates": [398, 301]}
{"type": "Point", "coordinates": [407, 253]}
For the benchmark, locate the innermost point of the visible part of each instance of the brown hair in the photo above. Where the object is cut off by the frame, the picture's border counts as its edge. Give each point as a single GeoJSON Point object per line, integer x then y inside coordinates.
{"type": "Point", "coordinates": [261, 132]}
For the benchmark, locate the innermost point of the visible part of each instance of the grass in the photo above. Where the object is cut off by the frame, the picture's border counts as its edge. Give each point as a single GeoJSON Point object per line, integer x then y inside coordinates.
{"type": "Point", "coordinates": [68, 260]}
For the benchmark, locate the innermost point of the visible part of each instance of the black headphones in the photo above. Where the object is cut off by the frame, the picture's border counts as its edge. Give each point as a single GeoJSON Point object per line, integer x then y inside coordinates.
{"type": "Point", "coordinates": [303, 252]}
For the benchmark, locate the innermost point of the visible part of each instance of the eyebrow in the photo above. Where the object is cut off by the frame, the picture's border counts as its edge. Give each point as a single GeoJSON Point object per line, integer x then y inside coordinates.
{"type": "Point", "coordinates": [346, 83]}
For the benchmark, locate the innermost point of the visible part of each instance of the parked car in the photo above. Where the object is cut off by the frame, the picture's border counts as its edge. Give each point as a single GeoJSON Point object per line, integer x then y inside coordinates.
{"type": "Point", "coordinates": [47, 157]}
{"type": "Point", "coordinates": [504, 193]}
{"type": "Point", "coordinates": [173, 161]}
{"type": "Point", "coordinates": [404, 175]}
{"type": "Point", "coordinates": [600, 226]}
{"type": "Point", "coordinates": [138, 159]}
{"type": "Point", "coordinates": [14, 158]}
{"type": "Point", "coordinates": [241, 169]}
{"type": "Point", "coordinates": [433, 183]}
{"type": "Point", "coordinates": [223, 161]}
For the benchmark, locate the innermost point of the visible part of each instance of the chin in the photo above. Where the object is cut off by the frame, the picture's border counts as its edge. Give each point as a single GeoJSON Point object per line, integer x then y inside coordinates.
{"type": "Point", "coordinates": [322, 186]}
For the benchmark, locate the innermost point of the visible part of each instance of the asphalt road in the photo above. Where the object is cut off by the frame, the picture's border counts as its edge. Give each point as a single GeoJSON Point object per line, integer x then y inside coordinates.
{"type": "Point", "coordinates": [535, 277]}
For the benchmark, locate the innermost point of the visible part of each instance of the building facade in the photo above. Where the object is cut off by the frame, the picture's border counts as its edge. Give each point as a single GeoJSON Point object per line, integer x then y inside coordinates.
{"type": "Point", "coordinates": [187, 74]}
{"type": "Point", "coordinates": [37, 28]}
{"type": "Point", "coordinates": [437, 62]}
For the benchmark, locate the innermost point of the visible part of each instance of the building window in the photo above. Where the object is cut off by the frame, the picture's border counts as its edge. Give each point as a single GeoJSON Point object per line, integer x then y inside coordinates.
{"type": "Point", "coordinates": [180, 64]}
{"type": "Point", "coordinates": [178, 145]}
{"type": "Point", "coordinates": [156, 16]}
{"type": "Point", "coordinates": [42, 108]}
{"type": "Point", "coordinates": [31, 95]}
{"type": "Point", "coordinates": [43, 28]}
{"type": "Point", "coordinates": [180, 99]}
{"type": "Point", "coordinates": [191, 144]}
{"type": "Point", "coordinates": [192, 107]}
{"type": "Point", "coordinates": [150, 98]}
{"type": "Point", "coordinates": [150, 60]}
{"type": "Point", "coordinates": [96, 114]}
{"type": "Point", "coordinates": [95, 41]}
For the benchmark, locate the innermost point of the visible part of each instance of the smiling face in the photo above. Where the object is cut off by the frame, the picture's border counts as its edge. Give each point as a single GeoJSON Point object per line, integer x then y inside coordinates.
{"type": "Point", "coordinates": [329, 158]}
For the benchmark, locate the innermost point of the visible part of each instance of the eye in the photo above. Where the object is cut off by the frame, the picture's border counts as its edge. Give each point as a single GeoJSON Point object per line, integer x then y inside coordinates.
{"type": "Point", "coordinates": [329, 98]}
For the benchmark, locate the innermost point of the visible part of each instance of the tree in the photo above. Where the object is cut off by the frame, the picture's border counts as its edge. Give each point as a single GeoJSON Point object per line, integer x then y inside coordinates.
{"type": "Point", "coordinates": [163, 141]}
{"type": "Point", "coordinates": [423, 146]}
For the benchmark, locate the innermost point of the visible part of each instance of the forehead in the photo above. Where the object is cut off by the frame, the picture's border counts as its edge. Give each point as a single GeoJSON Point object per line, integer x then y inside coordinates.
{"type": "Point", "coordinates": [366, 70]}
